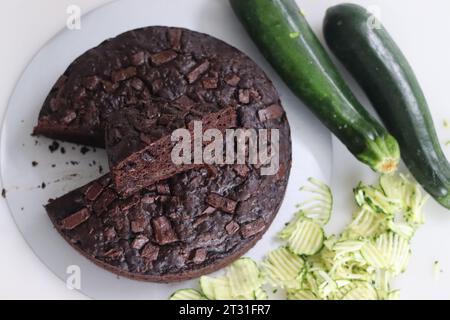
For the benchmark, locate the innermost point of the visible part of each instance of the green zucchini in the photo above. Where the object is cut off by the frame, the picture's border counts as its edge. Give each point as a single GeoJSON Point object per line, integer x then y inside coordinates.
{"type": "Point", "coordinates": [373, 58]}
{"type": "Point", "coordinates": [285, 38]}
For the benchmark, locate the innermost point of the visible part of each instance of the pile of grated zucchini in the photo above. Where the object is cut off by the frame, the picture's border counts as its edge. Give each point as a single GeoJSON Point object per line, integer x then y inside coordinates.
{"type": "Point", "coordinates": [357, 265]}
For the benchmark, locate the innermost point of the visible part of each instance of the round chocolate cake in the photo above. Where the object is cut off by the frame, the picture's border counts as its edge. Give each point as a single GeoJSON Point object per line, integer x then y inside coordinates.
{"type": "Point", "coordinates": [135, 90]}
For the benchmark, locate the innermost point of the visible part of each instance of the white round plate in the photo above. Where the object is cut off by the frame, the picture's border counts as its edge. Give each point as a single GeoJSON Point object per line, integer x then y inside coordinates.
{"type": "Point", "coordinates": [25, 196]}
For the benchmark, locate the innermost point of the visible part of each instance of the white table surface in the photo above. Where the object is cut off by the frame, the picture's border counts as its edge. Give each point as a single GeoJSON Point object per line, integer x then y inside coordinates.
{"type": "Point", "coordinates": [419, 26]}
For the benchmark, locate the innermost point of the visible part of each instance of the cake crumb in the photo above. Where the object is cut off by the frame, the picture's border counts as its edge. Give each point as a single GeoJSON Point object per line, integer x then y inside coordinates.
{"type": "Point", "coordinates": [437, 269]}
{"type": "Point", "coordinates": [54, 146]}
{"type": "Point", "coordinates": [63, 150]}
{"type": "Point", "coordinates": [43, 185]}
{"type": "Point", "coordinates": [84, 150]}
{"type": "Point", "coordinates": [34, 163]}
{"type": "Point", "coordinates": [4, 193]}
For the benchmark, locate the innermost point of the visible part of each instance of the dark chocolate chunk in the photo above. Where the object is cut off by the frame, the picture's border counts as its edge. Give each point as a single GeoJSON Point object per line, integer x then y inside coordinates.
{"type": "Point", "coordinates": [138, 225]}
{"type": "Point", "coordinates": [232, 227]}
{"type": "Point", "coordinates": [84, 150]}
{"type": "Point", "coordinates": [114, 253]}
{"type": "Point", "coordinates": [198, 71]}
{"type": "Point", "coordinates": [137, 84]}
{"type": "Point", "coordinates": [174, 35]}
{"type": "Point", "coordinates": [222, 203]}
{"type": "Point", "coordinates": [75, 219]}
{"type": "Point", "coordinates": [244, 96]}
{"type": "Point", "coordinates": [139, 242]}
{"type": "Point", "coordinates": [69, 117]}
{"type": "Point", "coordinates": [201, 79]}
{"type": "Point", "coordinates": [123, 74]}
{"type": "Point", "coordinates": [138, 58]}
{"type": "Point", "coordinates": [105, 199]}
{"type": "Point", "coordinates": [164, 233]}
{"type": "Point", "coordinates": [232, 80]}
{"type": "Point", "coordinates": [252, 228]}
{"type": "Point", "coordinates": [92, 82]}
{"type": "Point", "coordinates": [209, 210]}
{"type": "Point", "coordinates": [150, 252]}
{"type": "Point", "coordinates": [109, 234]}
{"type": "Point", "coordinates": [163, 188]}
{"type": "Point", "coordinates": [163, 57]}
{"type": "Point", "coordinates": [199, 255]}
{"type": "Point", "coordinates": [241, 169]}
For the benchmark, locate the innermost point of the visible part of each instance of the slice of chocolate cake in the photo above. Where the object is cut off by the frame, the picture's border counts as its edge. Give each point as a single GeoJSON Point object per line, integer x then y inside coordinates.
{"type": "Point", "coordinates": [133, 170]}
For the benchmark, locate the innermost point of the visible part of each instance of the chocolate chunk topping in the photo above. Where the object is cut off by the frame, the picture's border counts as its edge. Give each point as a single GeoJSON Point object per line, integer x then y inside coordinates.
{"type": "Point", "coordinates": [232, 80]}
{"type": "Point", "coordinates": [109, 234]}
{"type": "Point", "coordinates": [244, 96]}
{"type": "Point", "coordinates": [139, 242]}
{"type": "Point", "coordinates": [150, 252]}
{"type": "Point", "coordinates": [69, 117]}
{"type": "Point", "coordinates": [93, 191]}
{"type": "Point", "coordinates": [198, 71]}
{"type": "Point", "coordinates": [222, 203]}
{"type": "Point", "coordinates": [272, 112]}
{"type": "Point", "coordinates": [137, 84]}
{"type": "Point", "coordinates": [138, 225]}
{"type": "Point", "coordinates": [241, 169]}
{"type": "Point", "coordinates": [232, 227]}
{"type": "Point", "coordinates": [163, 57]}
{"type": "Point", "coordinates": [164, 233]}
{"type": "Point", "coordinates": [252, 228]}
{"type": "Point", "coordinates": [133, 170]}
{"type": "Point", "coordinates": [163, 188]}
{"type": "Point", "coordinates": [129, 203]}
{"type": "Point", "coordinates": [75, 219]}
{"type": "Point", "coordinates": [174, 35]}
{"type": "Point", "coordinates": [199, 255]}
{"type": "Point", "coordinates": [114, 253]}
{"type": "Point", "coordinates": [138, 58]}
{"type": "Point", "coordinates": [123, 74]}
{"type": "Point", "coordinates": [105, 199]}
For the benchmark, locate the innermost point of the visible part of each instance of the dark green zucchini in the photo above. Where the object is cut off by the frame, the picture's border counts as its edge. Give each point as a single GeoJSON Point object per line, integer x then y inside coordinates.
{"type": "Point", "coordinates": [371, 55]}
{"type": "Point", "coordinates": [285, 38]}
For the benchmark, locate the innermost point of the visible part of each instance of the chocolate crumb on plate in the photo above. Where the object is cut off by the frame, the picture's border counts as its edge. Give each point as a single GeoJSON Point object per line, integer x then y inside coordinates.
{"type": "Point", "coordinates": [54, 146]}
{"type": "Point", "coordinates": [84, 150]}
